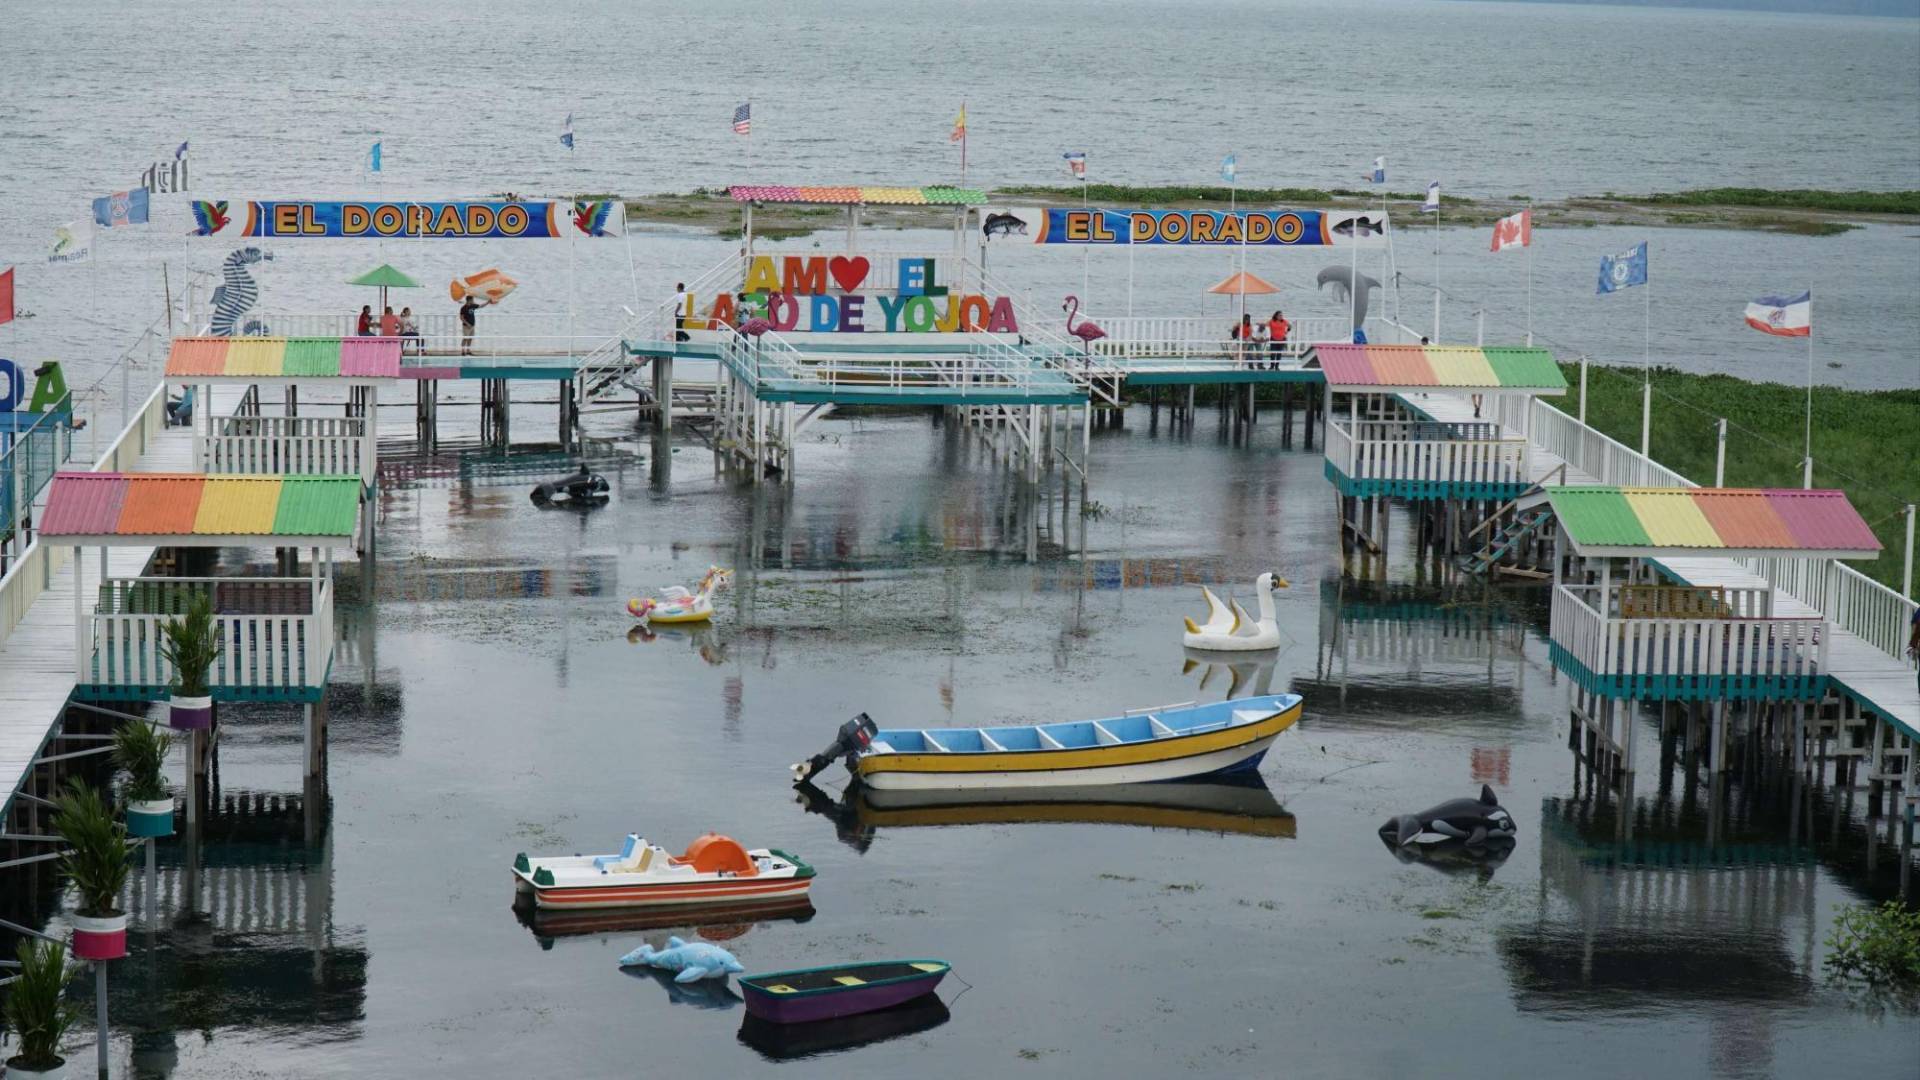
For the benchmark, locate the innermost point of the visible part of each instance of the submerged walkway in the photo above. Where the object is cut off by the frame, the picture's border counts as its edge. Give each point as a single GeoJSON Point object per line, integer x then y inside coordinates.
{"type": "Point", "coordinates": [1879, 681]}
{"type": "Point", "coordinates": [36, 659]}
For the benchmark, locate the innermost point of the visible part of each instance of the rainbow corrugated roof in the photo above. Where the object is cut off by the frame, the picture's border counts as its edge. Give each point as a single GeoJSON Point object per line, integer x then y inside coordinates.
{"type": "Point", "coordinates": [188, 510]}
{"type": "Point", "coordinates": [1605, 521]}
{"type": "Point", "coordinates": [857, 196]}
{"type": "Point", "coordinates": [1399, 368]}
{"type": "Point", "coordinates": [261, 359]}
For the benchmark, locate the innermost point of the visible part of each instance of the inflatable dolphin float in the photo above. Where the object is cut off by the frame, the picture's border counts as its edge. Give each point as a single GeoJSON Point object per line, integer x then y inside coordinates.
{"type": "Point", "coordinates": [1469, 822]}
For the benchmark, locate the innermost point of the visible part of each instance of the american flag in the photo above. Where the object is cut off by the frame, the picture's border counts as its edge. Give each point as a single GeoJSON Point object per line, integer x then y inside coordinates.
{"type": "Point", "coordinates": [743, 119]}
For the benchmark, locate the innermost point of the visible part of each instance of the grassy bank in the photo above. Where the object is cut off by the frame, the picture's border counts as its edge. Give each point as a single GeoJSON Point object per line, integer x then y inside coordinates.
{"type": "Point", "coordinates": [1866, 443]}
{"type": "Point", "coordinates": [1842, 202]}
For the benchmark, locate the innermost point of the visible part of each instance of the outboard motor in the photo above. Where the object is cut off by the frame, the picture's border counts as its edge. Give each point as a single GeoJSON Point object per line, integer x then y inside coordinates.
{"type": "Point", "coordinates": [855, 735]}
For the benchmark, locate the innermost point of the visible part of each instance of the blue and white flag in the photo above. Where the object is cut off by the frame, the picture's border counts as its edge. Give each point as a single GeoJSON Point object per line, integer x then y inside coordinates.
{"type": "Point", "coordinates": [566, 133]}
{"type": "Point", "coordinates": [373, 158]}
{"type": "Point", "coordinates": [121, 208]}
{"type": "Point", "coordinates": [1432, 205]}
{"type": "Point", "coordinates": [180, 152]}
{"type": "Point", "coordinates": [1227, 168]}
{"type": "Point", "coordinates": [1379, 173]}
{"type": "Point", "coordinates": [1625, 269]}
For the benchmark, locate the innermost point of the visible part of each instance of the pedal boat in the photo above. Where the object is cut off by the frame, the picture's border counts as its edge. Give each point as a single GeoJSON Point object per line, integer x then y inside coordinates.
{"type": "Point", "coordinates": [1173, 742]}
{"type": "Point", "coordinates": [715, 870]}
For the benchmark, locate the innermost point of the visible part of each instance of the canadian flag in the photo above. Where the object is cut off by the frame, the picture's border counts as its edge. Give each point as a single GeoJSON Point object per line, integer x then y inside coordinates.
{"type": "Point", "coordinates": [1514, 230]}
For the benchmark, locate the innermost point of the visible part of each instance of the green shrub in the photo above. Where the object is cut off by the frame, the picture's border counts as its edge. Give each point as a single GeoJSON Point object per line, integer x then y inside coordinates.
{"type": "Point", "coordinates": [1878, 945]}
{"type": "Point", "coordinates": [38, 1011]}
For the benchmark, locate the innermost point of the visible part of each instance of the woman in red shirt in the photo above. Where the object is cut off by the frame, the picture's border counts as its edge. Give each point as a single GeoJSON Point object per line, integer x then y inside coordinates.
{"type": "Point", "coordinates": [1277, 329]}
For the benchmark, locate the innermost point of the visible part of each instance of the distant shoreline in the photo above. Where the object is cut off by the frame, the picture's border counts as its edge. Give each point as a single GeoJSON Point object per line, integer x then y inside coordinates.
{"type": "Point", "coordinates": [1801, 212]}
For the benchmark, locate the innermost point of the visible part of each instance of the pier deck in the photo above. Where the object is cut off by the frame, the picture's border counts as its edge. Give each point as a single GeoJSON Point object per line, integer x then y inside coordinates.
{"type": "Point", "coordinates": [1878, 680]}
{"type": "Point", "coordinates": [36, 659]}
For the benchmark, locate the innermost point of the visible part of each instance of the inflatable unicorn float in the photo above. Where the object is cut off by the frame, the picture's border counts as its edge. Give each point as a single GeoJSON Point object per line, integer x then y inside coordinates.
{"type": "Point", "coordinates": [1230, 629]}
{"type": "Point", "coordinates": [677, 605]}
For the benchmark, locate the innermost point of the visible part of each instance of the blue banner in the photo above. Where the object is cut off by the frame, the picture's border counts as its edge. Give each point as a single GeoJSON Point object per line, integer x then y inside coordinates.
{"type": "Point", "coordinates": [479, 220]}
{"type": "Point", "coordinates": [1253, 228]}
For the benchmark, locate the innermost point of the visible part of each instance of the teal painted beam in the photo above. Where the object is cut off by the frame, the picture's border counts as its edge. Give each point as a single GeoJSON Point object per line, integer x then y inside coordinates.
{"type": "Point", "coordinates": [1218, 376]}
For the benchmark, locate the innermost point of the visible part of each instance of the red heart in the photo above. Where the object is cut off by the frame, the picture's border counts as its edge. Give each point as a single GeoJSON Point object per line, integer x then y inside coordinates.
{"type": "Point", "coordinates": [848, 271]}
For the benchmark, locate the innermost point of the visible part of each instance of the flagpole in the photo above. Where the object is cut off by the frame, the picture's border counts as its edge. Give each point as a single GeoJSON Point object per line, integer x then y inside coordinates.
{"type": "Point", "coordinates": [1086, 253]}
{"type": "Point", "coordinates": [1806, 478]}
{"type": "Point", "coordinates": [1436, 272]}
{"type": "Point", "coordinates": [1646, 369]}
{"type": "Point", "coordinates": [1529, 245]}
{"type": "Point", "coordinates": [963, 142]}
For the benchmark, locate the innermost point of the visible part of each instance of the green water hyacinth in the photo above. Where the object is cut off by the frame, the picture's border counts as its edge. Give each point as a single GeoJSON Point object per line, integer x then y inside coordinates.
{"type": "Point", "coordinates": [140, 751]}
{"type": "Point", "coordinates": [38, 1012]}
{"type": "Point", "coordinates": [191, 646]}
{"type": "Point", "coordinates": [98, 861]}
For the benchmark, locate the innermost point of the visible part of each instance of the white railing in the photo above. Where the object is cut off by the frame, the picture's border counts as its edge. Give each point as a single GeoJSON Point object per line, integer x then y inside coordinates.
{"type": "Point", "coordinates": [988, 366]}
{"type": "Point", "coordinates": [312, 445]}
{"type": "Point", "coordinates": [1423, 451]}
{"type": "Point", "coordinates": [496, 333]}
{"type": "Point", "coordinates": [1189, 338]}
{"type": "Point", "coordinates": [1850, 600]}
{"type": "Point", "coordinates": [1683, 653]}
{"type": "Point", "coordinates": [29, 575]}
{"type": "Point", "coordinates": [285, 647]}
{"type": "Point", "coordinates": [1856, 603]}
{"type": "Point", "coordinates": [1605, 459]}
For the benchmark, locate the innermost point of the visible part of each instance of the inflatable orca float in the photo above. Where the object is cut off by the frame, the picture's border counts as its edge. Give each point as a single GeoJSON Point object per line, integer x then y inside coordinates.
{"type": "Point", "coordinates": [1471, 823]}
{"type": "Point", "coordinates": [582, 488]}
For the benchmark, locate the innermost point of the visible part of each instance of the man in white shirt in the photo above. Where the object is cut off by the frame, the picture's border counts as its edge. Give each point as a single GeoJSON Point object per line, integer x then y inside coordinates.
{"type": "Point", "coordinates": [680, 311]}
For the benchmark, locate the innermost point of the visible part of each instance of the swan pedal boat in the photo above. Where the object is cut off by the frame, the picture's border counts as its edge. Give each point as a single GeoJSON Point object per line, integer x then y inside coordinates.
{"type": "Point", "coordinates": [1230, 629]}
{"type": "Point", "coordinates": [1173, 742]}
{"type": "Point", "coordinates": [714, 870]}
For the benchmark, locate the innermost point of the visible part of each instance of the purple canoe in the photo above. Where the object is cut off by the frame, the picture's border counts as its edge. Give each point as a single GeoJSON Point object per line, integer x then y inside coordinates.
{"type": "Point", "coordinates": [824, 993]}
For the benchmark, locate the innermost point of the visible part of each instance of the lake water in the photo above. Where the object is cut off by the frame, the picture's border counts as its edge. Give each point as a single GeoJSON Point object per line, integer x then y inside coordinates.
{"type": "Point", "coordinates": [491, 696]}
{"type": "Point", "coordinates": [1492, 99]}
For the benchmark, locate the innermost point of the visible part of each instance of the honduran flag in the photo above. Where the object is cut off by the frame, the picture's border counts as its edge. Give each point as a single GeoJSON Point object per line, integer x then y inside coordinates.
{"type": "Point", "coordinates": [1782, 316]}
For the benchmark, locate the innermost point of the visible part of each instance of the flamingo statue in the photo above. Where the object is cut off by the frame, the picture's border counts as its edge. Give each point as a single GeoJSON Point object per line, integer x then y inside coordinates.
{"type": "Point", "coordinates": [755, 326]}
{"type": "Point", "coordinates": [1088, 331]}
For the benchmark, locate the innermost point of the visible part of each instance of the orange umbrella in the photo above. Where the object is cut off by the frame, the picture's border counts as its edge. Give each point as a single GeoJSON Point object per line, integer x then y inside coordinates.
{"type": "Point", "coordinates": [1244, 285]}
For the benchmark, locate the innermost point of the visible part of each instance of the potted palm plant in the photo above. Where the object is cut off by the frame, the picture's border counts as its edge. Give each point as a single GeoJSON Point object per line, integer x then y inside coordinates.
{"type": "Point", "coordinates": [140, 751]}
{"type": "Point", "coordinates": [38, 1010]}
{"type": "Point", "coordinates": [97, 864]}
{"type": "Point", "coordinates": [191, 646]}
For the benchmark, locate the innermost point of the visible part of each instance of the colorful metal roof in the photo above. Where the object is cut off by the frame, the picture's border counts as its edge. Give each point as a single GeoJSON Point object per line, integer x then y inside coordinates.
{"type": "Point", "coordinates": [1390, 368]}
{"type": "Point", "coordinates": [1651, 521]}
{"type": "Point", "coordinates": [857, 196]}
{"type": "Point", "coordinates": [106, 508]}
{"type": "Point", "coordinates": [219, 359]}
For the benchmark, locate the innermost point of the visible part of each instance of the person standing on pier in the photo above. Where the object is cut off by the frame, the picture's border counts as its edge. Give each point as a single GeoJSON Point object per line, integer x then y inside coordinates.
{"type": "Point", "coordinates": [1913, 637]}
{"type": "Point", "coordinates": [680, 311]}
{"type": "Point", "coordinates": [389, 323]}
{"type": "Point", "coordinates": [467, 308]}
{"type": "Point", "coordinates": [1277, 330]}
{"type": "Point", "coordinates": [364, 327]}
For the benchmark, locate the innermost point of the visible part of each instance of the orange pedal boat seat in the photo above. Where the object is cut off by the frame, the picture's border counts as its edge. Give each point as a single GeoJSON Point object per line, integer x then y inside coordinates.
{"type": "Point", "coordinates": [713, 853]}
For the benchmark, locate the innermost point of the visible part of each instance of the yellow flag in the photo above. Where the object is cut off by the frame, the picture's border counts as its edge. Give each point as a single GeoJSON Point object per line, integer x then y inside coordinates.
{"type": "Point", "coordinates": [959, 125]}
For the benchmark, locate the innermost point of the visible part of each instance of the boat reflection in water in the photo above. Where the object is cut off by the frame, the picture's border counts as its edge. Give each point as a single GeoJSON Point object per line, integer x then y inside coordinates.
{"type": "Point", "coordinates": [700, 993]}
{"type": "Point", "coordinates": [780, 1042]}
{"type": "Point", "coordinates": [709, 923]}
{"type": "Point", "coordinates": [1236, 804]}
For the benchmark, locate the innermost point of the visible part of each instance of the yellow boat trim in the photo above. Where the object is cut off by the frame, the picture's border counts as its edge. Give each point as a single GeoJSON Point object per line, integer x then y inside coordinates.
{"type": "Point", "coordinates": [849, 980]}
{"type": "Point", "coordinates": [928, 967]}
{"type": "Point", "coordinates": [1064, 813]}
{"type": "Point", "coordinates": [1138, 753]}
{"type": "Point", "coordinates": [782, 988]}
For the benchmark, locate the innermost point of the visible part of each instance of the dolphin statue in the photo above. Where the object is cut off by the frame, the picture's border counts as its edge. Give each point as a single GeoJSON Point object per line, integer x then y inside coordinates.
{"type": "Point", "coordinates": [1342, 279]}
{"type": "Point", "coordinates": [1472, 822]}
{"type": "Point", "coordinates": [696, 961]}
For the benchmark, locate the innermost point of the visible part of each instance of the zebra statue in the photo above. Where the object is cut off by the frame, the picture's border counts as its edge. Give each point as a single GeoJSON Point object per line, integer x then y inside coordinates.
{"type": "Point", "coordinates": [238, 295]}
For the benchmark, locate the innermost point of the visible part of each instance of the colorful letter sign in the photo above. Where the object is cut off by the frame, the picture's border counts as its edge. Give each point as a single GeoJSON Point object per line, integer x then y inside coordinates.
{"type": "Point", "coordinates": [1262, 228]}
{"type": "Point", "coordinates": [290, 219]}
{"type": "Point", "coordinates": [815, 294]}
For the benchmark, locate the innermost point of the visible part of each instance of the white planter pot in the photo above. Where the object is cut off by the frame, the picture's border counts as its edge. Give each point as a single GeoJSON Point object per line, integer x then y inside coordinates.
{"type": "Point", "coordinates": [58, 1072]}
{"type": "Point", "coordinates": [110, 924]}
